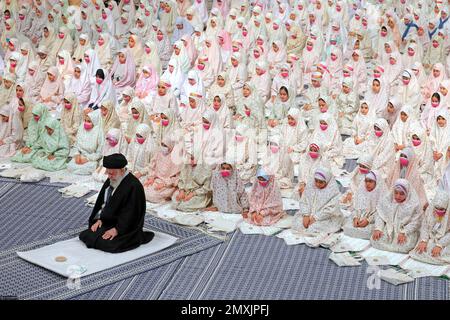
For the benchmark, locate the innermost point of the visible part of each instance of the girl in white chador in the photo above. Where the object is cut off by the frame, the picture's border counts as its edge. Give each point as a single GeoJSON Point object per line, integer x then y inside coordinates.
{"type": "Point", "coordinates": [87, 150]}
{"type": "Point", "coordinates": [241, 151]}
{"type": "Point", "coordinates": [367, 196]}
{"type": "Point", "coordinates": [356, 145]}
{"type": "Point", "coordinates": [434, 240]}
{"type": "Point", "coordinates": [319, 211]}
{"type": "Point", "coordinates": [398, 219]}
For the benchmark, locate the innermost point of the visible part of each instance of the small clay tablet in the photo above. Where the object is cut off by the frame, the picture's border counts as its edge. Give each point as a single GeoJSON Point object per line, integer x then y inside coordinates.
{"type": "Point", "coordinates": [60, 259]}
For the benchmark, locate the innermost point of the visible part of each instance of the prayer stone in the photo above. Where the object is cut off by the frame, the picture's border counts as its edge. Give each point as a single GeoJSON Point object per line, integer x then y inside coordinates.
{"type": "Point", "coordinates": [60, 259]}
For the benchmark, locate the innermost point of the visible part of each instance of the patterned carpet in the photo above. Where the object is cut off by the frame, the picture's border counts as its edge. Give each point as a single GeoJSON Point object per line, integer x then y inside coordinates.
{"type": "Point", "coordinates": [244, 267]}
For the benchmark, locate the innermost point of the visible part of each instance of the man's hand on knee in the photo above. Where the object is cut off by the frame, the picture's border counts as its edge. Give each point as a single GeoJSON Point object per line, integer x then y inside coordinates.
{"type": "Point", "coordinates": [110, 234]}
{"type": "Point", "coordinates": [96, 225]}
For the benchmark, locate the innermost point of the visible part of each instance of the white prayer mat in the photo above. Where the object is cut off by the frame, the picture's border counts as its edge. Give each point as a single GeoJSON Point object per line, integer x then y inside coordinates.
{"type": "Point", "coordinates": [247, 228]}
{"type": "Point", "coordinates": [395, 277]}
{"type": "Point", "coordinates": [290, 204]}
{"type": "Point", "coordinates": [190, 219]}
{"type": "Point", "coordinates": [291, 238]}
{"type": "Point", "coordinates": [93, 185]}
{"type": "Point", "coordinates": [152, 206]}
{"type": "Point", "coordinates": [4, 166]}
{"type": "Point", "coordinates": [318, 240]}
{"type": "Point", "coordinates": [331, 240]}
{"type": "Point", "coordinates": [379, 257]}
{"type": "Point", "coordinates": [418, 269]}
{"type": "Point", "coordinates": [285, 222]}
{"type": "Point", "coordinates": [166, 212]}
{"type": "Point", "coordinates": [75, 190]}
{"type": "Point", "coordinates": [79, 261]}
{"type": "Point", "coordinates": [186, 219]}
{"type": "Point", "coordinates": [219, 221]}
{"type": "Point", "coordinates": [13, 173]}
{"type": "Point", "coordinates": [345, 259]}
{"type": "Point", "coordinates": [63, 176]}
{"type": "Point", "coordinates": [33, 175]}
{"type": "Point", "coordinates": [347, 243]}
{"type": "Point", "coordinates": [6, 163]}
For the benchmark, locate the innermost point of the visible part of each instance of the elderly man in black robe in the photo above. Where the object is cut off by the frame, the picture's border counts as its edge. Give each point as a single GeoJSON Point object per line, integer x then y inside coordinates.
{"type": "Point", "coordinates": [117, 220]}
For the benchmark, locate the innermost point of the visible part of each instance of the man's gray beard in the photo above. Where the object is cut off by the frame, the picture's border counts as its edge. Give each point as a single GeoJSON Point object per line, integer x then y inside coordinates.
{"type": "Point", "coordinates": [115, 183]}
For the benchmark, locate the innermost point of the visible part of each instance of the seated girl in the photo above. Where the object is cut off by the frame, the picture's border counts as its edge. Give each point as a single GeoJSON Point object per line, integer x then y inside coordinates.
{"type": "Point", "coordinates": [249, 109]}
{"type": "Point", "coordinates": [54, 147]}
{"type": "Point", "coordinates": [128, 95]}
{"type": "Point", "coordinates": [168, 127]}
{"type": "Point", "coordinates": [52, 91]}
{"type": "Point", "coordinates": [347, 103]}
{"type": "Point", "coordinates": [23, 103]}
{"type": "Point", "coordinates": [423, 149]}
{"type": "Point", "coordinates": [277, 160]}
{"type": "Point", "coordinates": [87, 150]}
{"type": "Point", "coordinates": [146, 85]}
{"type": "Point", "coordinates": [401, 127]}
{"type": "Point", "coordinates": [369, 192]}
{"type": "Point", "coordinates": [114, 143]}
{"type": "Point", "coordinates": [327, 132]}
{"type": "Point", "coordinates": [102, 89]}
{"type": "Point", "coordinates": [71, 116]}
{"type": "Point", "coordinates": [163, 174]}
{"type": "Point", "coordinates": [364, 165]}
{"type": "Point", "coordinates": [380, 145]}
{"type": "Point", "coordinates": [80, 85]}
{"type": "Point", "coordinates": [319, 211]}
{"type": "Point", "coordinates": [224, 115]}
{"type": "Point", "coordinates": [123, 71]}
{"type": "Point", "coordinates": [11, 132]}
{"type": "Point", "coordinates": [65, 67]}
{"type": "Point", "coordinates": [229, 195]}
{"type": "Point", "coordinates": [430, 111]}
{"type": "Point", "coordinates": [194, 190]}
{"type": "Point", "coordinates": [242, 151]}
{"type": "Point", "coordinates": [137, 116]}
{"type": "Point", "coordinates": [35, 129]}
{"type": "Point", "coordinates": [261, 80]}
{"type": "Point", "coordinates": [310, 161]}
{"type": "Point", "coordinates": [295, 134]}
{"type": "Point", "coordinates": [440, 139]}
{"type": "Point", "coordinates": [407, 167]}
{"type": "Point", "coordinates": [208, 140]}
{"type": "Point", "coordinates": [266, 206]}
{"type": "Point", "coordinates": [7, 86]}
{"type": "Point", "coordinates": [277, 111]}
{"type": "Point", "coordinates": [398, 218]}
{"type": "Point", "coordinates": [222, 86]}
{"type": "Point", "coordinates": [433, 246]}
{"type": "Point", "coordinates": [162, 100]}
{"type": "Point", "coordinates": [110, 119]}
{"type": "Point", "coordinates": [361, 128]}
{"type": "Point", "coordinates": [140, 152]}
{"type": "Point", "coordinates": [327, 105]}
{"type": "Point", "coordinates": [191, 113]}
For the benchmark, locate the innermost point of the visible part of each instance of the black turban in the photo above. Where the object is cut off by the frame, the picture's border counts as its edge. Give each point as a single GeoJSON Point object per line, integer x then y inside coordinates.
{"type": "Point", "coordinates": [115, 161]}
